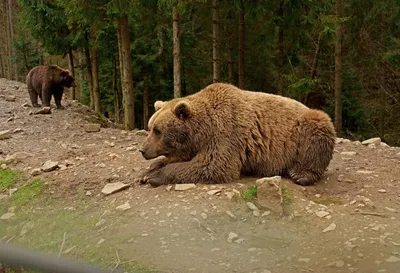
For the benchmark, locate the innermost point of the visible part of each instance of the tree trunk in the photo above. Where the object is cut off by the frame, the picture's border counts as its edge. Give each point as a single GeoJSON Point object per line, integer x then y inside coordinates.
{"type": "Point", "coordinates": [146, 95]}
{"type": "Point", "coordinates": [72, 70]}
{"type": "Point", "coordinates": [316, 56]}
{"type": "Point", "coordinates": [216, 57]}
{"type": "Point", "coordinates": [95, 78]}
{"type": "Point", "coordinates": [177, 52]}
{"type": "Point", "coordinates": [241, 46]}
{"type": "Point", "coordinates": [117, 97]}
{"type": "Point", "coordinates": [89, 77]}
{"type": "Point", "coordinates": [382, 109]}
{"type": "Point", "coordinates": [230, 45]}
{"type": "Point", "coordinates": [281, 50]}
{"type": "Point", "coordinates": [338, 69]}
{"type": "Point", "coordinates": [126, 72]}
{"type": "Point", "coordinates": [9, 44]}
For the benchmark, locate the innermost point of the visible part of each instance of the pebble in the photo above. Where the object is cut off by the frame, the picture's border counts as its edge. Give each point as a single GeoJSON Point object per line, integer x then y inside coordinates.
{"type": "Point", "coordinates": [204, 215]}
{"type": "Point", "coordinates": [232, 237]}
{"type": "Point", "coordinates": [110, 188]}
{"type": "Point", "coordinates": [184, 187]}
{"type": "Point", "coordinates": [214, 192]}
{"type": "Point", "coordinates": [321, 213]}
{"type": "Point", "coordinates": [215, 249]}
{"type": "Point", "coordinates": [5, 134]}
{"type": "Point", "coordinates": [49, 166]}
{"type": "Point", "coordinates": [231, 214]}
{"type": "Point", "coordinates": [266, 213]}
{"type": "Point", "coordinates": [124, 206]}
{"type": "Point", "coordinates": [382, 191]}
{"type": "Point", "coordinates": [256, 213]}
{"type": "Point", "coordinates": [390, 209]}
{"type": "Point", "coordinates": [7, 216]}
{"type": "Point", "coordinates": [304, 260]}
{"type": "Point", "coordinates": [331, 227]}
{"type": "Point", "coordinates": [392, 259]}
{"type": "Point", "coordinates": [251, 206]}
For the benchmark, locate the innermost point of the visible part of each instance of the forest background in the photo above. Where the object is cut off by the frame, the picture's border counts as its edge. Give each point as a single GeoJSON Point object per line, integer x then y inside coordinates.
{"type": "Point", "coordinates": [342, 56]}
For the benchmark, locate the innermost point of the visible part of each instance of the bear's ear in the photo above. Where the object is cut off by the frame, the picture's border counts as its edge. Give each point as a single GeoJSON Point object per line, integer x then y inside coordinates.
{"type": "Point", "coordinates": [182, 110]}
{"type": "Point", "coordinates": [159, 104]}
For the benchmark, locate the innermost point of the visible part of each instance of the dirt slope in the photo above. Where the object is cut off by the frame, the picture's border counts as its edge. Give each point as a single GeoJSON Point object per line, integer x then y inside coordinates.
{"type": "Point", "coordinates": [191, 231]}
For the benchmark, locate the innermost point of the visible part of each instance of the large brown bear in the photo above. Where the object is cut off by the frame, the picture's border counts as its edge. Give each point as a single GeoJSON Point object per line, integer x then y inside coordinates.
{"type": "Point", "coordinates": [47, 81]}
{"type": "Point", "coordinates": [221, 132]}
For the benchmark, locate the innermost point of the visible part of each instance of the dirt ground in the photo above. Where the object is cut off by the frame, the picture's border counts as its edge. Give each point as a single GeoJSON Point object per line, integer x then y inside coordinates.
{"type": "Point", "coordinates": [348, 222]}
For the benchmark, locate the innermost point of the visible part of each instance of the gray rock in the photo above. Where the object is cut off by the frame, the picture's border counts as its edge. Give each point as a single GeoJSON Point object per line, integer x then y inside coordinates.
{"type": "Point", "coordinates": [251, 206]}
{"type": "Point", "coordinates": [331, 227]}
{"type": "Point", "coordinates": [184, 187]}
{"type": "Point", "coordinates": [110, 188]}
{"type": "Point", "coordinates": [142, 133]}
{"type": "Point", "coordinates": [49, 166]}
{"type": "Point", "coordinates": [17, 157]}
{"type": "Point", "coordinates": [269, 193]}
{"type": "Point", "coordinates": [321, 213]}
{"type": "Point", "coordinates": [10, 98]}
{"type": "Point", "coordinates": [124, 206]}
{"type": "Point", "coordinates": [26, 228]}
{"type": "Point", "coordinates": [232, 237]}
{"type": "Point", "coordinates": [392, 259]}
{"type": "Point", "coordinates": [7, 216]}
{"type": "Point", "coordinates": [43, 111]}
{"type": "Point", "coordinates": [36, 171]}
{"type": "Point", "coordinates": [375, 140]}
{"type": "Point", "coordinates": [5, 134]}
{"type": "Point", "coordinates": [91, 127]}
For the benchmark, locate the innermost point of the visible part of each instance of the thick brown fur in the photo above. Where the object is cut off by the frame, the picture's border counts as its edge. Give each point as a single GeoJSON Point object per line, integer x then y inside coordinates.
{"type": "Point", "coordinates": [221, 132]}
{"type": "Point", "coordinates": [47, 81]}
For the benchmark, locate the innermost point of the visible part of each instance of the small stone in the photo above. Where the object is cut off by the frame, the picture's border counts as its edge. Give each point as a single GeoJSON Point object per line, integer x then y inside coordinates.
{"type": "Point", "coordinates": [364, 172]}
{"type": "Point", "coordinates": [331, 227]}
{"type": "Point", "coordinates": [204, 215]}
{"type": "Point", "coordinates": [392, 259]}
{"type": "Point", "coordinates": [110, 188]}
{"type": "Point", "coordinates": [17, 157]}
{"type": "Point", "coordinates": [390, 209]}
{"type": "Point", "coordinates": [44, 111]}
{"type": "Point", "coordinates": [7, 216]}
{"type": "Point", "coordinates": [102, 165]}
{"type": "Point", "coordinates": [251, 206]}
{"type": "Point", "coordinates": [91, 127]}
{"type": "Point", "coordinates": [339, 140]}
{"type": "Point", "coordinates": [318, 195]}
{"type": "Point", "coordinates": [375, 140]}
{"type": "Point", "coordinates": [169, 214]}
{"type": "Point", "coordinates": [215, 249]}
{"type": "Point", "coordinates": [131, 148]}
{"type": "Point", "coordinates": [232, 237]}
{"type": "Point", "coordinates": [26, 228]}
{"type": "Point", "coordinates": [17, 130]}
{"type": "Point", "coordinates": [348, 153]}
{"type": "Point", "coordinates": [10, 98]}
{"type": "Point", "coordinates": [36, 171]}
{"type": "Point", "coordinates": [382, 191]}
{"type": "Point", "coordinates": [89, 193]}
{"type": "Point", "coordinates": [168, 188]}
{"type": "Point", "coordinates": [5, 134]}
{"type": "Point", "coordinates": [124, 206]}
{"type": "Point", "coordinates": [49, 166]}
{"type": "Point", "coordinates": [304, 260]}
{"type": "Point", "coordinates": [256, 213]}
{"type": "Point", "coordinates": [184, 187]}
{"type": "Point", "coordinates": [266, 213]}
{"type": "Point", "coordinates": [321, 213]}
{"type": "Point", "coordinates": [366, 201]}
{"type": "Point", "coordinates": [142, 133]}
{"type": "Point", "coordinates": [144, 235]}
{"type": "Point", "coordinates": [100, 241]}
{"type": "Point", "coordinates": [213, 192]}
{"type": "Point", "coordinates": [231, 214]}
{"type": "Point", "coordinates": [100, 223]}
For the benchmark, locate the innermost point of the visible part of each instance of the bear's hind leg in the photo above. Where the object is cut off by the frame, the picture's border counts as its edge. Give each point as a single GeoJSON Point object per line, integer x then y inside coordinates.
{"type": "Point", "coordinates": [34, 98]}
{"type": "Point", "coordinates": [315, 145]}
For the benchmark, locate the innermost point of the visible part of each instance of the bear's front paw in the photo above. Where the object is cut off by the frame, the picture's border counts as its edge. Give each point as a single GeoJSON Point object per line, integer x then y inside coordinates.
{"type": "Point", "coordinates": [156, 179]}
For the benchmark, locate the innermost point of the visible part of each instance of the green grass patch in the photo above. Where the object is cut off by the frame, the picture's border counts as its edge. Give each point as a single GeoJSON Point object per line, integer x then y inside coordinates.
{"type": "Point", "coordinates": [7, 179]}
{"type": "Point", "coordinates": [287, 200]}
{"type": "Point", "coordinates": [250, 193]}
{"type": "Point", "coordinates": [27, 192]}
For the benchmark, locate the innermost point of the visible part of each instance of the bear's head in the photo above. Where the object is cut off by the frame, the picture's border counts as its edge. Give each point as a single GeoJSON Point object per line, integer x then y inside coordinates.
{"type": "Point", "coordinates": [171, 132]}
{"type": "Point", "coordinates": [66, 79]}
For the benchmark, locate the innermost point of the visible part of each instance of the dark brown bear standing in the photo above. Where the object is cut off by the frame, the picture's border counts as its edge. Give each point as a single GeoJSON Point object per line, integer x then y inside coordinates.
{"type": "Point", "coordinates": [47, 81]}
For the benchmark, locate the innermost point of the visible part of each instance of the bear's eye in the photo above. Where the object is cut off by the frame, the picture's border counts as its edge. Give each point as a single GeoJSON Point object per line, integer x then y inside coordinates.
{"type": "Point", "coordinates": [156, 132]}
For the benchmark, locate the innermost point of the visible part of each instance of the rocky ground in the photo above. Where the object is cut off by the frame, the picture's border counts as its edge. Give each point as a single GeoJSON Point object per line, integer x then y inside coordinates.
{"type": "Point", "coordinates": [348, 222]}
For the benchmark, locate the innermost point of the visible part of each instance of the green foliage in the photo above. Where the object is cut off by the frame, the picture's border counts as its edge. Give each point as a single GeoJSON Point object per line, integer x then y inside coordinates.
{"type": "Point", "coordinates": [27, 192]}
{"type": "Point", "coordinates": [7, 179]}
{"type": "Point", "coordinates": [250, 193]}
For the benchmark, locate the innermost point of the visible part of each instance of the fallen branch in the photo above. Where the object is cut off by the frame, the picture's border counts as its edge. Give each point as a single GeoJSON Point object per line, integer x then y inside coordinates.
{"type": "Point", "coordinates": [118, 260]}
{"type": "Point", "coordinates": [369, 213]}
{"type": "Point", "coordinates": [62, 244]}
